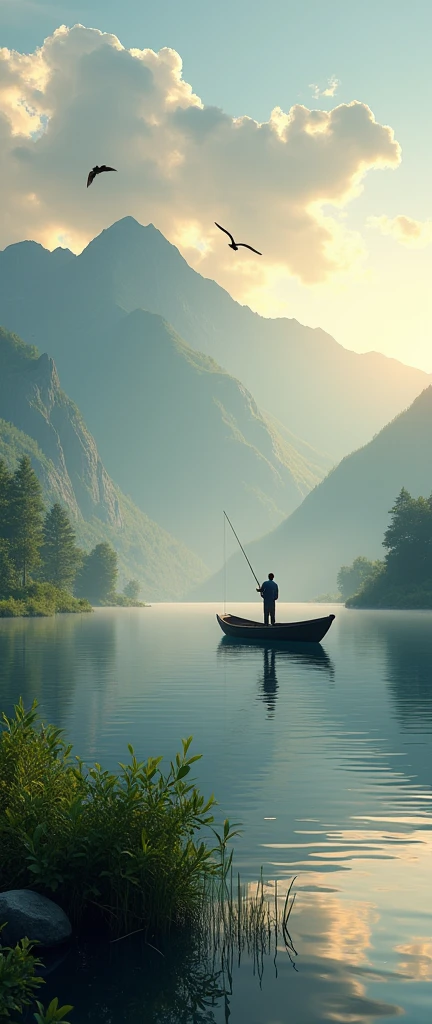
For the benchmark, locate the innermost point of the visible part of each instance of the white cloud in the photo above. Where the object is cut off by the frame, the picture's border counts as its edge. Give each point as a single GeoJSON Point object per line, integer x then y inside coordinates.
{"type": "Point", "coordinates": [330, 89]}
{"type": "Point", "coordinates": [82, 98]}
{"type": "Point", "coordinates": [416, 234]}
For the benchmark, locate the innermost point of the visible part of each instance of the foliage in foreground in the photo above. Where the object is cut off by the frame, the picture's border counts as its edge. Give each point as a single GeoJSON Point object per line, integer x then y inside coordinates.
{"type": "Point", "coordinates": [117, 852]}
{"type": "Point", "coordinates": [404, 578]}
{"type": "Point", "coordinates": [19, 982]}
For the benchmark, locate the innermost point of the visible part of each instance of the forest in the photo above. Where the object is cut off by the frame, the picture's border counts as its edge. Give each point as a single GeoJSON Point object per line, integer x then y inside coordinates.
{"type": "Point", "coordinates": [403, 579]}
{"type": "Point", "coordinates": [42, 570]}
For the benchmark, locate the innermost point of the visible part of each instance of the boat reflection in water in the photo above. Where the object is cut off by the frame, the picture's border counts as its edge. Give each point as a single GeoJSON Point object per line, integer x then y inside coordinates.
{"type": "Point", "coordinates": [275, 657]}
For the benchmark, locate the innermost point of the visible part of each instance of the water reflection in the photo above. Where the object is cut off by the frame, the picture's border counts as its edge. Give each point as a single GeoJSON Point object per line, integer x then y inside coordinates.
{"type": "Point", "coordinates": [409, 661]}
{"type": "Point", "coordinates": [269, 684]}
{"type": "Point", "coordinates": [42, 659]}
{"type": "Point", "coordinates": [273, 657]}
{"type": "Point", "coordinates": [185, 983]}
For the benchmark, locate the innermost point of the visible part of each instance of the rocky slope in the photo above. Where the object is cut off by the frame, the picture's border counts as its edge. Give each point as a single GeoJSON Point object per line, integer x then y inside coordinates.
{"type": "Point", "coordinates": [38, 419]}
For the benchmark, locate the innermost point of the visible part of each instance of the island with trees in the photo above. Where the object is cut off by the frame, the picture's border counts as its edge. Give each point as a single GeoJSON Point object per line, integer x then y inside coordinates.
{"type": "Point", "coordinates": [42, 570]}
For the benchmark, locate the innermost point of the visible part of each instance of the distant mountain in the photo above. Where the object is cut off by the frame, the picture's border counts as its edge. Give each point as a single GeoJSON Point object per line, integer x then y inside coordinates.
{"type": "Point", "coordinates": [345, 516]}
{"type": "Point", "coordinates": [320, 391]}
{"type": "Point", "coordinates": [186, 440]}
{"type": "Point", "coordinates": [39, 420]}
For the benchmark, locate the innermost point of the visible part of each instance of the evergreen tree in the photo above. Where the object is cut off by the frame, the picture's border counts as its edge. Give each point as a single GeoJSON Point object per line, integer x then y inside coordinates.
{"type": "Point", "coordinates": [98, 577]}
{"type": "Point", "coordinates": [25, 518]}
{"type": "Point", "coordinates": [132, 590]}
{"type": "Point", "coordinates": [8, 576]}
{"type": "Point", "coordinates": [5, 482]}
{"type": "Point", "coordinates": [60, 556]}
{"type": "Point", "coordinates": [408, 539]}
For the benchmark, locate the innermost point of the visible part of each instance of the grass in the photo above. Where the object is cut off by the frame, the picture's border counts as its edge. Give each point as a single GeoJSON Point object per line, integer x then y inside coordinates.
{"type": "Point", "coordinates": [119, 852]}
{"type": "Point", "coordinates": [249, 919]}
{"type": "Point", "coordinates": [41, 599]}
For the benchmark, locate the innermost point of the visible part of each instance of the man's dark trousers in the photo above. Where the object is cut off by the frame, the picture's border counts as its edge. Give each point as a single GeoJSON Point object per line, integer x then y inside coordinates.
{"type": "Point", "coordinates": [269, 612]}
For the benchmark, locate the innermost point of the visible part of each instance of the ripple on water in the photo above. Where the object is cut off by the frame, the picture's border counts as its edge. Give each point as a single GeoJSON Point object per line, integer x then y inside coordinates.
{"type": "Point", "coordinates": [324, 756]}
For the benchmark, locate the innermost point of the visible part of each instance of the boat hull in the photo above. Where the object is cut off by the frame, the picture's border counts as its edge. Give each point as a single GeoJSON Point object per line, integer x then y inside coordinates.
{"type": "Point", "coordinates": [307, 632]}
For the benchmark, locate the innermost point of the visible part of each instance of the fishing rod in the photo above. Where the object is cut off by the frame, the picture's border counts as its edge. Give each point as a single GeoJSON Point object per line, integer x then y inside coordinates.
{"type": "Point", "coordinates": [242, 548]}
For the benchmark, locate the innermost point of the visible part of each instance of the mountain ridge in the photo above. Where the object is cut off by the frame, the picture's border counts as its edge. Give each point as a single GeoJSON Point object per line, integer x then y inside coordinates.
{"type": "Point", "coordinates": [321, 391]}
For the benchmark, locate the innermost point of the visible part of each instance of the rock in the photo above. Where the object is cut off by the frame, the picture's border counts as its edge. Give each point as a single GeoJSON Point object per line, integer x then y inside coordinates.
{"type": "Point", "coordinates": [33, 916]}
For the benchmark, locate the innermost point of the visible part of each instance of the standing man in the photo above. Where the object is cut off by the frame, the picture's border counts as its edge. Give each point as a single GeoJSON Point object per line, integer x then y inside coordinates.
{"type": "Point", "coordinates": [270, 593]}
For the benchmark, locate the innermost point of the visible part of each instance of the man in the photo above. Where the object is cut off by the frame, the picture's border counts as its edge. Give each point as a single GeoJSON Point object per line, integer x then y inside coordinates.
{"type": "Point", "coordinates": [270, 593]}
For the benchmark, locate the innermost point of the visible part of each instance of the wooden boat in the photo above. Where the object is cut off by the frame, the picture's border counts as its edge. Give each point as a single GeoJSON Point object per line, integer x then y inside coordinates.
{"type": "Point", "coordinates": [309, 631]}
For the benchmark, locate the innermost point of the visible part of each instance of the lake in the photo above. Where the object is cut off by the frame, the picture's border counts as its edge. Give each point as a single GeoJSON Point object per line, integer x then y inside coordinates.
{"type": "Point", "coordinates": [324, 757]}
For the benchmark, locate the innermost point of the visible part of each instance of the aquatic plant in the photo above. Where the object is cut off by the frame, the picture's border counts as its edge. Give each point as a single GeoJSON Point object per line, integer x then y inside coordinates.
{"type": "Point", "coordinates": [121, 852]}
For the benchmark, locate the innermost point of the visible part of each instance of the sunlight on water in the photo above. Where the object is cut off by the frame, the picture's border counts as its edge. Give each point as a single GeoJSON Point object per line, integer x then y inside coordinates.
{"type": "Point", "coordinates": [324, 755]}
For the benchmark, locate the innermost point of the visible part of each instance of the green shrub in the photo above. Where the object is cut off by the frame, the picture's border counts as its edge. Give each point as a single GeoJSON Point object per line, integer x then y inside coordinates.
{"type": "Point", "coordinates": [122, 852]}
{"type": "Point", "coordinates": [18, 984]}
{"type": "Point", "coordinates": [41, 599]}
{"type": "Point", "coordinates": [18, 978]}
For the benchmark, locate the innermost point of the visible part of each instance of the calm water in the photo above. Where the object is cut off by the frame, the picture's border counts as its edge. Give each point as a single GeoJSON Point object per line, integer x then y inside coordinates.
{"type": "Point", "coordinates": [325, 758]}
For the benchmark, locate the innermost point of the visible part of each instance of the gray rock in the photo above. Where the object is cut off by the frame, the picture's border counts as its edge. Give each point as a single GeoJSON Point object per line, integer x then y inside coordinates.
{"type": "Point", "coordinates": [33, 916]}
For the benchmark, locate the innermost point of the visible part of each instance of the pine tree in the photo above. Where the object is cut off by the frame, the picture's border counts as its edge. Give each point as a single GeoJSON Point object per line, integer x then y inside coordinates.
{"type": "Point", "coordinates": [98, 577]}
{"type": "Point", "coordinates": [8, 577]}
{"type": "Point", "coordinates": [132, 590]}
{"type": "Point", "coordinates": [60, 556]}
{"type": "Point", "coordinates": [408, 540]}
{"type": "Point", "coordinates": [5, 482]}
{"type": "Point", "coordinates": [25, 518]}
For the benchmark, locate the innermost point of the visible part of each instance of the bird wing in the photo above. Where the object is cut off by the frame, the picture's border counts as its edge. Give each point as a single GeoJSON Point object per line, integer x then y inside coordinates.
{"type": "Point", "coordinates": [91, 177]}
{"type": "Point", "coordinates": [225, 231]}
{"type": "Point", "coordinates": [246, 246]}
{"type": "Point", "coordinates": [105, 168]}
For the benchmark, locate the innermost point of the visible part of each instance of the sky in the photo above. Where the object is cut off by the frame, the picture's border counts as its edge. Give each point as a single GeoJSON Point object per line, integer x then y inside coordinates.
{"type": "Point", "coordinates": [304, 128]}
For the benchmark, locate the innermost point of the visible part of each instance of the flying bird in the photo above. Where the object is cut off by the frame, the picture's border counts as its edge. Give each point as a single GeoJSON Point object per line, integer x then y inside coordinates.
{"type": "Point", "coordinates": [98, 170]}
{"type": "Point", "coordinates": [235, 245]}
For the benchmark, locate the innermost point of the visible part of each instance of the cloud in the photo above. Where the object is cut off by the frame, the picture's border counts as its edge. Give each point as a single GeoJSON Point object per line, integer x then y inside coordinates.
{"type": "Point", "coordinates": [331, 88]}
{"type": "Point", "coordinates": [416, 234]}
{"type": "Point", "coordinates": [82, 98]}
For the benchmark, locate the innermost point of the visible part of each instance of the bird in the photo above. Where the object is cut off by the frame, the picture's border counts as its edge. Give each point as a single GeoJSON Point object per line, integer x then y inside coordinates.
{"type": "Point", "coordinates": [235, 245]}
{"type": "Point", "coordinates": [98, 170]}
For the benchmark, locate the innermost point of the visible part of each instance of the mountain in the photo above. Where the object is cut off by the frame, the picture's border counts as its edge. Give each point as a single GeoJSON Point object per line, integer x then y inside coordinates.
{"type": "Point", "coordinates": [320, 391]}
{"type": "Point", "coordinates": [345, 516]}
{"type": "Point", "coordinates": [186, 440]}
{"type": "Point", "coordinates": [39, 420]}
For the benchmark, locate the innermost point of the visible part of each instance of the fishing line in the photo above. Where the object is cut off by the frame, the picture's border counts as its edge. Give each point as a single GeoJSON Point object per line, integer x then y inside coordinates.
{"type": "Point", "coordinates": [244, 552]}
{"type": "Point", "coordinates": [225, 565]}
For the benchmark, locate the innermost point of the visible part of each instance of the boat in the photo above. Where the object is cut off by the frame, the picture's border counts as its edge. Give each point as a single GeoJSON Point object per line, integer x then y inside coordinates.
{"type": "Point", "coordinates": [308, 631]}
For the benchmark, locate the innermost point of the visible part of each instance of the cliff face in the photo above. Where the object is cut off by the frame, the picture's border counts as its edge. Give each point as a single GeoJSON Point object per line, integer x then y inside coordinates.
{"type": "Point", "coordinates": [31, 398]}
{"type": "Point", "coordinates": [39, 420]}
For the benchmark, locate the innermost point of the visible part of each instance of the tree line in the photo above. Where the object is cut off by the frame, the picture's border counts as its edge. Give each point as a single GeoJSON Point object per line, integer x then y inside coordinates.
{"type": "Point", "coordinates": [404, 577]}
{"type": "Point", "coordinates": [37, 544]}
